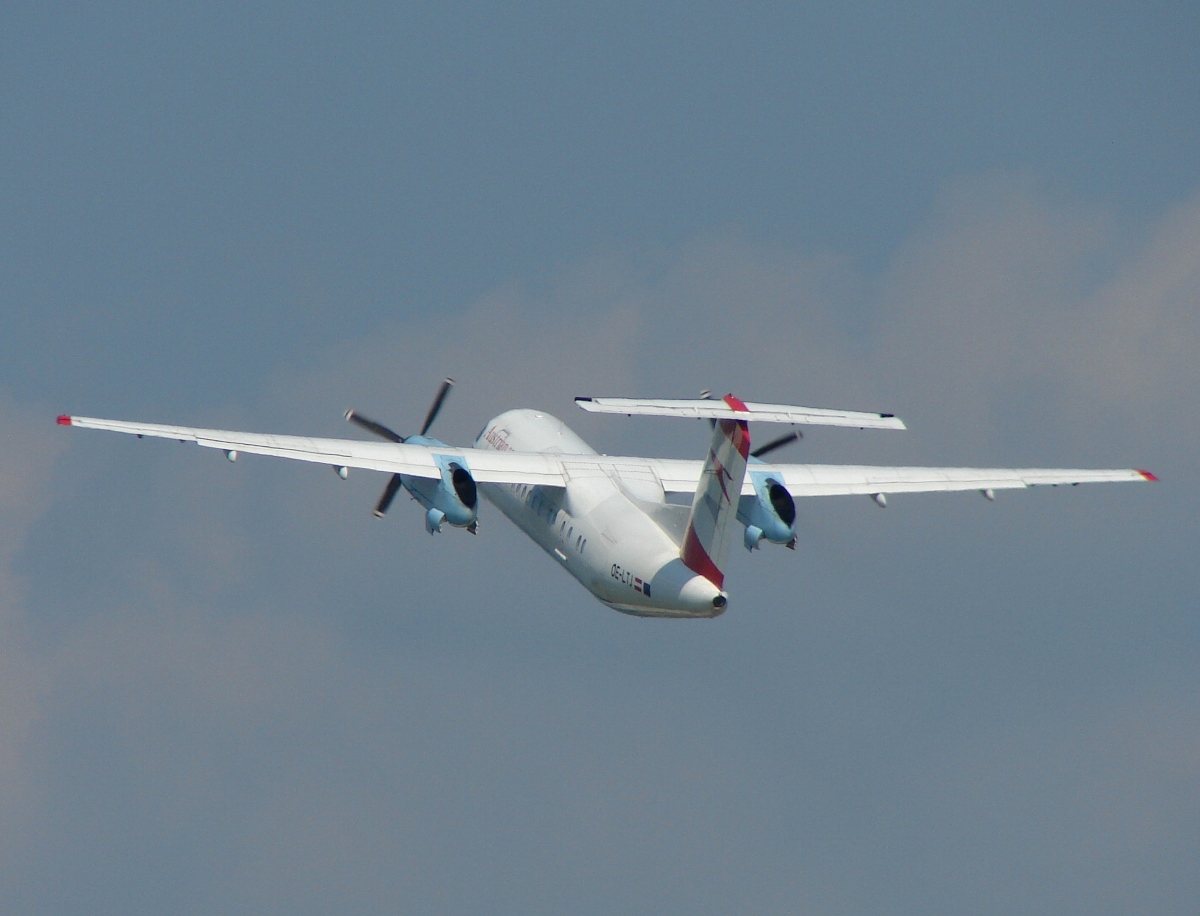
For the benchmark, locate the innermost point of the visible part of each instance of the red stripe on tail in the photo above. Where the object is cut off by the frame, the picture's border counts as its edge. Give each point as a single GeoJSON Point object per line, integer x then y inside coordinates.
{"type": "Point", "coordinates": [698, 561]}
{"type": "Point", "coordinates": [737, 432]}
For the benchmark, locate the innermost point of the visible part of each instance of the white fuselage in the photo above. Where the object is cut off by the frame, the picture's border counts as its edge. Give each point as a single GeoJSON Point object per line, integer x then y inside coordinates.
{"type": "Point", "coordinates": [616, 534]}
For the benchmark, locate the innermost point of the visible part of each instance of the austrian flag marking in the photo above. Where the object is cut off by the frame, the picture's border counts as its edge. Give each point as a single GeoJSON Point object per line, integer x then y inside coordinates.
{"type": "Point", "coordinates": [627, 578]}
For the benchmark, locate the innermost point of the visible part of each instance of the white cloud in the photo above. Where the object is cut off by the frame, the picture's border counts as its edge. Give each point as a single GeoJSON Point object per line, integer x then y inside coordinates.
{"type": "Point", "coordinates": [283, 704]}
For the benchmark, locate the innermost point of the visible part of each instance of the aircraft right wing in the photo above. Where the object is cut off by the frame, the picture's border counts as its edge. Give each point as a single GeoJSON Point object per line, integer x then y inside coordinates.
{"type": "Point", "coordinates": [485, 465]}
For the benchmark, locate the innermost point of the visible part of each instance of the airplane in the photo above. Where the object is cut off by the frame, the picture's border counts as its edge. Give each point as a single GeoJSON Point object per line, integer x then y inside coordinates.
{"type": "Point", "coordinates": [610, 520]}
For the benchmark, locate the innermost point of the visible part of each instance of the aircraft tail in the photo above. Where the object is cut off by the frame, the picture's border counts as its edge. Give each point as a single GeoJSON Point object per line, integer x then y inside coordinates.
{"type": "Point", "coordinates": [714, 508]}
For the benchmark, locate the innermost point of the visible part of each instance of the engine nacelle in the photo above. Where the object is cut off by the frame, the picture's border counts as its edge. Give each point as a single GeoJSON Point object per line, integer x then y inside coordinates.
{"type": "Point", "coordinates": [454, 498]}
{"type": "Point", "coordinates": [769, 514]}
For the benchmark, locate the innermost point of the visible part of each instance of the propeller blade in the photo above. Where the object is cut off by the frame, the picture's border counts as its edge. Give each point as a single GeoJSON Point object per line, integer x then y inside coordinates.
{"type": "Point", "coordinates": [372, 427]}
{"type": "Point", "coordinates": [389, 493]}
{"type": "Point", "coordinates": [777, 443]}
{"type": "Point", "coordinates": [436, 405]}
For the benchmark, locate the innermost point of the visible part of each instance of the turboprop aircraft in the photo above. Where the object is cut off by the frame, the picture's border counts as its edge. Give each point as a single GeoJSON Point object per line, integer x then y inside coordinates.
{"type": "Point", "coordinates": [609, 521]}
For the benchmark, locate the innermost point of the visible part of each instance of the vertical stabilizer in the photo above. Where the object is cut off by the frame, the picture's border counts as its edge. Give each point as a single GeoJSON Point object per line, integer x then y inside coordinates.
{"type": "Point", "coordinates": [714, 508]}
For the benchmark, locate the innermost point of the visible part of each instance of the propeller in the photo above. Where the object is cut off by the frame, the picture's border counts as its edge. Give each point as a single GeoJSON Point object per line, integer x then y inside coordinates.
{"type": "Point", "coordinates": [389, 493]}
{"type": "Point", "coordinates": [443, 390]}
{"type": "Point", "coordinates": [771, 446]}
{"type": "Point", "coordinates": [373, 426]}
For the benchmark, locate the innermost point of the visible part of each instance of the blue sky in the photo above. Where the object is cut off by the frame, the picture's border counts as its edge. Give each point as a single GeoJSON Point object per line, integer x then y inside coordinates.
{"type": "Point", "coordinates": [228, 689]}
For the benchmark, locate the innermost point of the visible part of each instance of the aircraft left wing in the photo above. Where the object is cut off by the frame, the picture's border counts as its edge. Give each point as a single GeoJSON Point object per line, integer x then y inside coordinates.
{"type": "Point", "coordinates": [682, 477]}
{"type": "Point", "coordinates": [486, 466]}
{"type": "Point", "coordinates": [847, 480]}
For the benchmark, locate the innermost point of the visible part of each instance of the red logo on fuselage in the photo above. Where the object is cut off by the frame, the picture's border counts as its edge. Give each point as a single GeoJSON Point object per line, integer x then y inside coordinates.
{"type": "Point", "coordinates": [496, 441]}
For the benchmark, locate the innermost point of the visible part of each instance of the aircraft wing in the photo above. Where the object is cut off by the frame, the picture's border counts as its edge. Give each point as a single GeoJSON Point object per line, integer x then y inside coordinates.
{"type": "Point", "coordinates": [846, 480]}
{"type": "Point", "coordinates": [540, 469]}
{"type": "Point", "coordinates": [485, 465]}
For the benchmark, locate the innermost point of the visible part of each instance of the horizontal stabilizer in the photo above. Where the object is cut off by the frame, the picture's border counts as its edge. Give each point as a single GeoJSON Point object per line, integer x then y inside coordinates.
{"type": "Point", "coordinates": [721, 410]}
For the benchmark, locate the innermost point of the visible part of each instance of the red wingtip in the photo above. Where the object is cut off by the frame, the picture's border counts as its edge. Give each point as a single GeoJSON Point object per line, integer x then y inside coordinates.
{"type": "Point", "coordinates": [64, 420]}
{"type": "Point", "coordinates": [1147, 475]}
{"type": "Point", "coordinates": [736, 404]}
